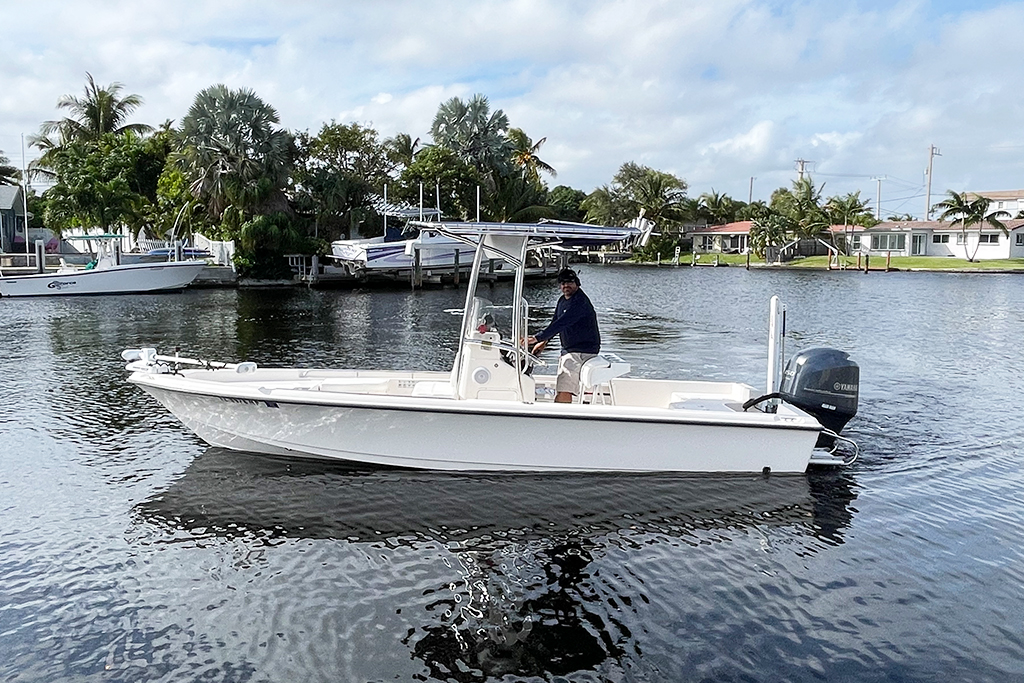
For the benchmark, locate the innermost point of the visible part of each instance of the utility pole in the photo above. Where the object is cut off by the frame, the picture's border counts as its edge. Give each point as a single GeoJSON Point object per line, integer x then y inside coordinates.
{"type": "Point", "coordinates": [750, 194]}
{"type": "Point", "coordinates": [933, 152]}
{"type": "Point", "coordinates": [878, 197]}
{"type": "Point", "coordinates": [800, 163]}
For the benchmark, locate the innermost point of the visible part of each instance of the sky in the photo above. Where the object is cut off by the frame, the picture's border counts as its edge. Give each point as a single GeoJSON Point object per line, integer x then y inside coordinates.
{"type": "Point", "coordinates": [717, 92]}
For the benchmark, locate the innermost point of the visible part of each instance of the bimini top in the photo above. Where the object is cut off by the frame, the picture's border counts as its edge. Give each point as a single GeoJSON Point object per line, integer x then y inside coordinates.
{"type": "Point", "coordinates": [545, 232]}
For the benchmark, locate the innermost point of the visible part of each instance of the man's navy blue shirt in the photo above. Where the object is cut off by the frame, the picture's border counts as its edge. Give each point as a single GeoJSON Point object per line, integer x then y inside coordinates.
{"type": "Point", "coordinates": [575, 323]}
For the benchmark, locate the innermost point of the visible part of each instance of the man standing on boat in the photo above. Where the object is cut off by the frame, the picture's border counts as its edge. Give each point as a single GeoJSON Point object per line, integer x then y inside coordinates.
{"type": "Point", "coordinates": [575, 323]}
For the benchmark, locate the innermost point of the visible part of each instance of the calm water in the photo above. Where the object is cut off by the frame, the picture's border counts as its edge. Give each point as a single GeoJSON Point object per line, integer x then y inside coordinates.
{"type": "Point", "coordinates": [130, 551]}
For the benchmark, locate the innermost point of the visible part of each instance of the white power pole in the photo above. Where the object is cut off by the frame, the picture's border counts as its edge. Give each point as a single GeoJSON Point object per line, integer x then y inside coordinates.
{"type": "Point", "coordinates": [878, 196]}
{"type": "Point", "coordinates": [933, 152]}
{"type": "Point", "coordinates": [750, 194]}
{"type": "Point", "coordinates": [24, 192]}
{"type": "Point", "coordinates": [800, 163]}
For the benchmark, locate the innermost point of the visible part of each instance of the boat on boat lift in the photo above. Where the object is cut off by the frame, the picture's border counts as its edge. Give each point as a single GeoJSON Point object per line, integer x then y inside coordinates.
{"type": "Point", "coordinates": [105, 275]}
{"type": "Point", "coordinates": [491, 412]}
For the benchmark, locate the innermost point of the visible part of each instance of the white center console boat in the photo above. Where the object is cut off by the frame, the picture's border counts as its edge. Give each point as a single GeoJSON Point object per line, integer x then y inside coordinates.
{"type": "Point", "coordinates": [492, 413]}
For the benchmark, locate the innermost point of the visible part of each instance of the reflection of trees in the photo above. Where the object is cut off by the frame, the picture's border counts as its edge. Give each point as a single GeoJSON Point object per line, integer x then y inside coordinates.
{"type": "Point", "coordinates": [527, 630]}
{"type": "Point", "coordinates": [520, 589]}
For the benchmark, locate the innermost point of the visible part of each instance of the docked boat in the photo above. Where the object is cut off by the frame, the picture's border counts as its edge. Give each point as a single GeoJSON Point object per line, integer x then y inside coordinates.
{"type": "Point", "coordinates": [492, 412]}
{"type": "Point", "coordinates": [396, 251]}
{"type": "Point", "coordinates": [105, 275]}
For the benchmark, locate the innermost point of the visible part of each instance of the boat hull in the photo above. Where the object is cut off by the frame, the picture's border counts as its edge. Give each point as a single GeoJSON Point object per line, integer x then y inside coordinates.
{"type": "Point", "coordinates": [123, 279]}
{"type": "Point", "coordinates": [375, 255]}
{"type": "Point", "coordinates": [445, 434]}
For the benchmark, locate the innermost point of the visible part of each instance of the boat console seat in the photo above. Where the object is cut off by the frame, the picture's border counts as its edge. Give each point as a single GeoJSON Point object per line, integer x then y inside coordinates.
{"type": "Point", "coordinates": [600, 371]}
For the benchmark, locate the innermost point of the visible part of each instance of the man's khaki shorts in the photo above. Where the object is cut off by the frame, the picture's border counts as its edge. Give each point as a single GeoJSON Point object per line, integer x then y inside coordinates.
{"type": "Point", "coordinates": [569, 366]}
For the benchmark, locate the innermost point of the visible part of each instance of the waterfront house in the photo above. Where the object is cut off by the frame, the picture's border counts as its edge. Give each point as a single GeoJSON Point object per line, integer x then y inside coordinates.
{"type": "Point", "coordinates": [942, 238]}
{"type": "Point", "coordinates": [731, 238]}
{"type": "Point", "coordinates": [12, 218]}
{"type": "Point", "coordinates": [1010, 201]}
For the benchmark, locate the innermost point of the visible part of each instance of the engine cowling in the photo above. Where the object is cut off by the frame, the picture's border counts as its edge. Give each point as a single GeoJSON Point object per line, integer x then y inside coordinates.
{"type": "Point", "coordinates": [825, 383]}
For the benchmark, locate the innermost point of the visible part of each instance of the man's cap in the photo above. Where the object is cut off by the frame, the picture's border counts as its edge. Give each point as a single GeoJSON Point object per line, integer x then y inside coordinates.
{"type": "Point", "coordinates": [568, 275]}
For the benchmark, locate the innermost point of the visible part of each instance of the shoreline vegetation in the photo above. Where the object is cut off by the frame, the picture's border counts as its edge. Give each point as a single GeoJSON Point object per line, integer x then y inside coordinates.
{"type": "Point", "coordinates": [229, 170]}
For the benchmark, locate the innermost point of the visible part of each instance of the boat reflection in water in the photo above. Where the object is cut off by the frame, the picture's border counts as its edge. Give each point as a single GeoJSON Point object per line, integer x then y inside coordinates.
{"type": "Point", "coordinates": [519, 591]}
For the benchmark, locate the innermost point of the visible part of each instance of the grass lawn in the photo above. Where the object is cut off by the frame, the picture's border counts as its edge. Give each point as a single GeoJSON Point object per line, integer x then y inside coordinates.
{"type": "Point", "coordinates": [913, 262]}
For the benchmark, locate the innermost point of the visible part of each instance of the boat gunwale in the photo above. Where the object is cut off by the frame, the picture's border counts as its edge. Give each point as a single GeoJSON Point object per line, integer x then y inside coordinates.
{"type": "Point", "coordinates": [482, 407]}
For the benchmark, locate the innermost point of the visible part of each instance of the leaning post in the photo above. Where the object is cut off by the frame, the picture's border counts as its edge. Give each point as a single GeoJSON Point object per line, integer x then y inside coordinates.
{"type": "Point", "coordinates": [40, 256]}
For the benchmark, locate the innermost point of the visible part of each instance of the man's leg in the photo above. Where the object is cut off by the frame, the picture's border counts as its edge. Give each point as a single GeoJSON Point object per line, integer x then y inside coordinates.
{"type": "Point", "coordinates": [568, 381]}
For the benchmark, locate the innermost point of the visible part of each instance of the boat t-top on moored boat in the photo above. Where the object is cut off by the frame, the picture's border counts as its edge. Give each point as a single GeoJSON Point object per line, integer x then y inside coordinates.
{"type": "Point", "coordinates": [491, 411]}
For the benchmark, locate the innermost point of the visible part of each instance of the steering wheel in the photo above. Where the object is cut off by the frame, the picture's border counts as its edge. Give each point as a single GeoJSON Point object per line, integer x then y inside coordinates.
{"type": "Point", "coordinates": [531, 359]}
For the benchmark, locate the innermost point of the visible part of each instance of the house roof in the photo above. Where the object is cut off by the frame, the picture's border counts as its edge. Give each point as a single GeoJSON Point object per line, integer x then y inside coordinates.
{"type": "Point", "coordinates": [10, 198]}
{"type": "Point", "coordinates": [997, 195]}
{"type": "Point", "coordinates": [935, 226]}
{"type": "Point", "coordinates": [737, 228]}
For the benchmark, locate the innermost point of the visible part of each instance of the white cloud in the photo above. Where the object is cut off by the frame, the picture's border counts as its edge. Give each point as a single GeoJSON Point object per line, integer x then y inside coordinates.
{"type": "Point", "coordinates": [715, 92]}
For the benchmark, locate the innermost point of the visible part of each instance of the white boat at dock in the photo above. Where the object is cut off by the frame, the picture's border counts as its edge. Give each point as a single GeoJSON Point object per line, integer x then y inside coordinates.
{"type": "Point", "coordinates": [491, 412]}
{"type": "Point", "coordinates": [106, 276]}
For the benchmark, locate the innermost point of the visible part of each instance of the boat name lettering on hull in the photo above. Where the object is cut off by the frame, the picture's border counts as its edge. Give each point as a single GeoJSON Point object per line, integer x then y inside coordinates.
{"type": "Point", "coordinates": [61, 284]}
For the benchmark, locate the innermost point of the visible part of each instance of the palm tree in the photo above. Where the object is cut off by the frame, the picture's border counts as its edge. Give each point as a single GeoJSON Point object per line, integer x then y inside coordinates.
{"type": "Point", "coordinates": [9, 175]}
{"type": "Point", "coordinates": [402, 149]}
{"type": "Point", "coordinates": [802, 205]}
{"type": "Point", "coordinates": [769, 230]}
{"type": "Point", "coordinates": [101, 110]}
{"type": "Point", "coordinates": [967, 212]}
{"type": "Point", "coordinates": [231, 152]}
{"type": "Point", "coordinates": [847, 209]}
{"type": "Point", "coordinates": [720, 208]}
{"type": "Point", "coordinates": [524, 155]}
{"type": "Point", "coordinates": [470, 130]}
{"type": "Point", "coordinates": [635, 188]}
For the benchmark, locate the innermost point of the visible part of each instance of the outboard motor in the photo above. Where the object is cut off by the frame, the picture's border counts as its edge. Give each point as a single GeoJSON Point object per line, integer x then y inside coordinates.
{"type": "Point", "coordinates": [824, 383]}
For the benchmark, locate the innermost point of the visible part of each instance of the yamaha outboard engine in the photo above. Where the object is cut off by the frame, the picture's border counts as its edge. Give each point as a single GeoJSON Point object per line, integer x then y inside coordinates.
{"type": "Point", "coordinates": [824, 383]}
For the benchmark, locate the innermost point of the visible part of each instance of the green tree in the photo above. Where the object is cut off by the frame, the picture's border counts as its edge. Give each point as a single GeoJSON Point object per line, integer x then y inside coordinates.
{"type": "Point", "coordinates": [337, 173]}
{"type": "Point", "coordinates": [771, 230]}
{"type": "Point", "coordinates": [802, 205]}
{"type": "Point", "coordinates": [8, 174]}
{"type": "Point", "coordinates": [967, 212]}
{"type": "Point", "coordinates": [567, 203]}
{"type": "Point", "coordinates": [474, 133]}
{"type": "Point", "coordinates": [236, 159]}
{"type": "Point", "coordinates": [517, 198]}
{"type": "Point", "coordinates": [99, 111]}
{"type": "Point", "coordinates": [847, 210]}
{"type": "Point", "coordinates": [402, 150]}
{"type": "Point", "coordinates": [524, 155]}
{"type": "Point", "coordinates": [635, 188]}
{"type": "Point", "coordinates": [96, 184]}
{"type": "Point", "coordinates": [753, 211]}
{"type": "Point", "coordinates": [440, 169]}
{"type": "Point", "coordinates": [719, 208]}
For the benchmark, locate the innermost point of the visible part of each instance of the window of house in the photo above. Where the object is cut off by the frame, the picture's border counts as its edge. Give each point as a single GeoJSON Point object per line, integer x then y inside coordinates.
{"type": "Point", "coordinates": [960, 238]}
{"type": "Point", "coordinates": [855, 242]}
{"type": "Point", "coordinates": [889, 242]}
{"type": "Point", "coordinates": [1000, 205]}
{"type": "Point", "coordinates": [940, 239]}
{"type": "Point", "coordinates": [707, 242]}
{"type": "Point", "coordinates": [1020, 239]}
{"type": "Point", "coordinates": [988, 238]}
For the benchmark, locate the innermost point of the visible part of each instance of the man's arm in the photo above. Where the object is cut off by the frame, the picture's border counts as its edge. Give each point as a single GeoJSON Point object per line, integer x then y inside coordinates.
{"type": "Point", "coordinates": [574, 313]}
